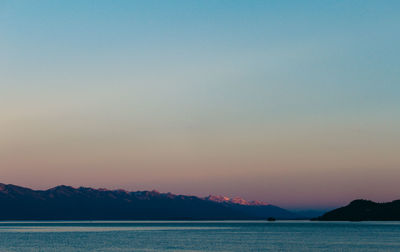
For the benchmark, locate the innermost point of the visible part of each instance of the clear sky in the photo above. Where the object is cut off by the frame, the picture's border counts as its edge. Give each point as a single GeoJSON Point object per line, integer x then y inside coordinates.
{"type": "Point", "coordinates": [296, 103]}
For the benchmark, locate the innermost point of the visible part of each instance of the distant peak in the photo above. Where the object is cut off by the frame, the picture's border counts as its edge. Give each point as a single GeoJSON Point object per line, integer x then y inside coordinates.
{"type": "Point", "coordinates": [217, 198]}
{"type": "Point", "coordinates": [235, 200]}
{"type": "Point", "coordinates": [62, 188]}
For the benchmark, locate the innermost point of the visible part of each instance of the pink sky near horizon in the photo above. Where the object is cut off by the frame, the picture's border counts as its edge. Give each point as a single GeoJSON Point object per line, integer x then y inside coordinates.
{"type": "Point", "coordinates": [307, 170]}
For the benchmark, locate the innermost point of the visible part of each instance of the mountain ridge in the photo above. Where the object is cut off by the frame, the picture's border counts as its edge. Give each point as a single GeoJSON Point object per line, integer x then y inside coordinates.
{"type": "Point", "coordinates": [84, 203]}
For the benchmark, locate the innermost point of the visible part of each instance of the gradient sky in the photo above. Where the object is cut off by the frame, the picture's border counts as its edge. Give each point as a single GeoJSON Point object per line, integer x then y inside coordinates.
{"type": "Point", "coordinates": [296, 104]}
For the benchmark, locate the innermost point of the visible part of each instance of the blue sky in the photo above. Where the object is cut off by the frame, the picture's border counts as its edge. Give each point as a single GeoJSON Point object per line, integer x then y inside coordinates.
{"type": "Point", "coordinates": [169, 94]}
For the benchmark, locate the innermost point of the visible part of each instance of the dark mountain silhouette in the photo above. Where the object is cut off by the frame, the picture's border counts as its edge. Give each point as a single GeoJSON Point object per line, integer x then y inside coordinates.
{"type": "Point", "coordinates": [68, 203]}
{"type": "Point", "coordinates": [364, 210]}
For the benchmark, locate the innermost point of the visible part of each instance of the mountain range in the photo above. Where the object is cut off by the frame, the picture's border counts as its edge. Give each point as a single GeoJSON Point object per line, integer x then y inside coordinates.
{"type": "Point", "coordinates": [83, 203]}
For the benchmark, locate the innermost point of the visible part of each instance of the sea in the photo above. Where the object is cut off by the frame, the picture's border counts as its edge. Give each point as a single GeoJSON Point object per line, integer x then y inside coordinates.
{"type": "Point", "coordinates": [199, 236]}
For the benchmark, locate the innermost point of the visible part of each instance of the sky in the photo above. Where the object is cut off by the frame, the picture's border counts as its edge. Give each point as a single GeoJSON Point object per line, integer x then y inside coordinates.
{"type": "Point", "coordinates": [296, 103]}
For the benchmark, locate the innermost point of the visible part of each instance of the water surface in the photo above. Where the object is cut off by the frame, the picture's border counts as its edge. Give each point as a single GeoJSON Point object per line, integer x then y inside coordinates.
{"type": "Point", "coordinates": [199, 236]}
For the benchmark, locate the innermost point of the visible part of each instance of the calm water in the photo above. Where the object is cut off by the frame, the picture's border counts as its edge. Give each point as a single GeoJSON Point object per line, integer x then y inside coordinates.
{"type": "Point", "coordinates": [199, 236]}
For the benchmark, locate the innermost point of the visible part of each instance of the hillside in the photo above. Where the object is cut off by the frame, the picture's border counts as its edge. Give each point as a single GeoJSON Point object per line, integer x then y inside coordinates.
{"type": "Point", "coordinates": [364, 210]}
